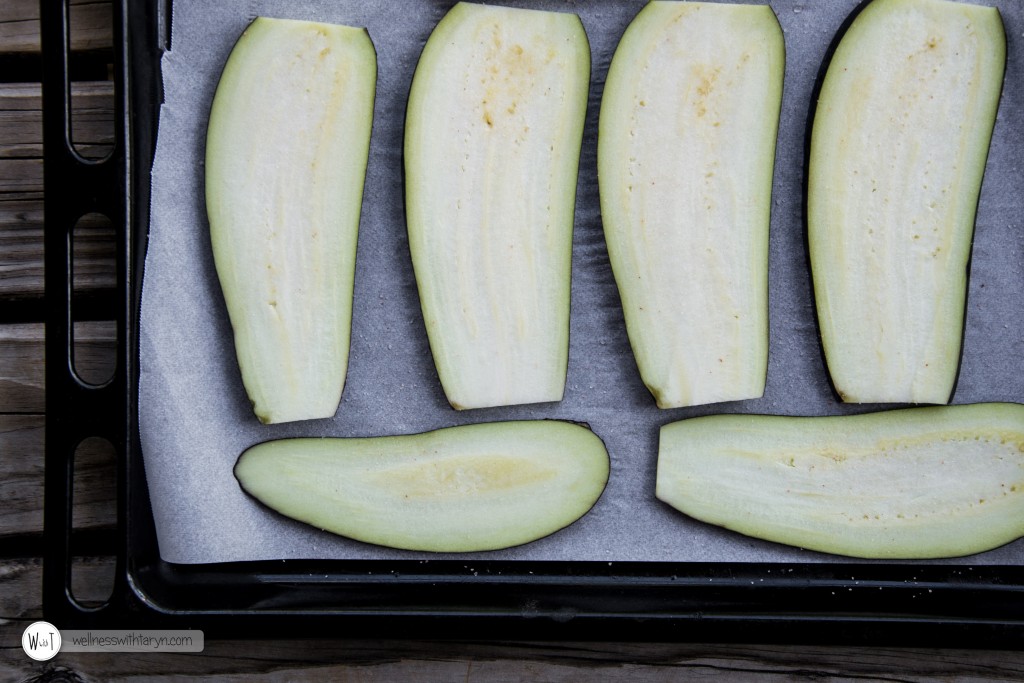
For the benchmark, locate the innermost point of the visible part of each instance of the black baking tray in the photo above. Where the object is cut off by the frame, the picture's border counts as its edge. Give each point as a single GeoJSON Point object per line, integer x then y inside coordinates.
{"type": "Point", "coordinates": [841, 602]}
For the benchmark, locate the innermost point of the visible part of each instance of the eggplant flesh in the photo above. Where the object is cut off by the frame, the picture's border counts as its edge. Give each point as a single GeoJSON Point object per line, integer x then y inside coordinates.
{"type": "Point", "coordinates": [459, 489]}
{"type": "Point", "coordinates": [493, 133]}
{"type": "Point", "coordinates": [286, 156]}
{"type": "Point", "coordinates": [686, 151]}
{"type": "Point", "coordinates": [916, 483]}
{"type": "Point", "coordinates": [898, 150]}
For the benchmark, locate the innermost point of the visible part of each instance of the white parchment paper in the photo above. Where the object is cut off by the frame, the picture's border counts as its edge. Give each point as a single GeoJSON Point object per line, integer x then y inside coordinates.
{"type": "Point", "coordinates": [195, 418]}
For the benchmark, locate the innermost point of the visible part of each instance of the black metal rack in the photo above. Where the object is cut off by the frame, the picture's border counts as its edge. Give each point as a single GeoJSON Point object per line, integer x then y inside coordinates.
{"type": "Point", "coordinates": [837, 603]}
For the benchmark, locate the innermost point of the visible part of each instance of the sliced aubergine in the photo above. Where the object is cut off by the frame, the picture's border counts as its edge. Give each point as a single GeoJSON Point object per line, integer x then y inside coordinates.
{"type": "Point", "coordinates": [940, 481]}
{"type": "Point", "coordinates": [898, 149]}
{"type": "Point", "coordinates": [492, 143]}
{"type": "Point", "coordinates": [286, 156]}
{"type": "Point", "coordinates": [459, 489]}
{"type": "Point", "coordinates": [686, 148]}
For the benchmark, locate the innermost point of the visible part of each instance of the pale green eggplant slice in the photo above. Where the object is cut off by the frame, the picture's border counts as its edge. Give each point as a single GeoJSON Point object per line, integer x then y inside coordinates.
{"type": "Point", "coordinates": [898, 149]}
{"type": "Point", "coordinates": [492, 145]}
{"type": "Point", "coordinates": [940, 481]}
{"type": "Point", "coordinates": [286, 156]}
{"type": "Point", "coordinates": [686, 149]}
{"type": "Point", "coordinates": [469, 488]}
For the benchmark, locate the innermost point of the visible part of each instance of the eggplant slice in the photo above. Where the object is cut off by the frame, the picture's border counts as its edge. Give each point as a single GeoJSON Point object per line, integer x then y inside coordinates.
{"type": "Point", "coordinates": [458, 489]}
{"type": "Point", "coordinates": [898, 149]}
{"type": "Point", "coordinates": [286, 156]}
{"type": "Point", "coordinates": [492, 144]}
{"type": "Point", "coordinates": [686, 150]}
{"type": "Point", "coordinates": [940, 481]}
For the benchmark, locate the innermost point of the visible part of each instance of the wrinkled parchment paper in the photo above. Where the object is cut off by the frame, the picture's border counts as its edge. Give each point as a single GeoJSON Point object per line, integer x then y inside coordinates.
{"type": "Point", "coordinates": [195, 418]}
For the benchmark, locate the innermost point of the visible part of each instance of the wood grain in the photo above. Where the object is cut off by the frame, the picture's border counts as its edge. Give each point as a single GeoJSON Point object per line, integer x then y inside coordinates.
{"type": "Point", "coordinates": [21, 476]}
{"type": "Point", "coordinates": [21, 479]}
{"type": "Point", "coordinates": [90, 22]}
{"type": "Point", "coordinates": [21, 190]}
{"type": "Point", "coordinates": [21, 250]}
{"type": "Point", "coordinates": [21, 175]}
{"type": "Point", "coordinates": [22, 370]}
{"type": "Point", "coordinates": [21, 119]}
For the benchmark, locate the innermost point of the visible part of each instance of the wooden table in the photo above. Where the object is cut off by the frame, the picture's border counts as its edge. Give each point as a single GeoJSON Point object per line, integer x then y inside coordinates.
{"type": "Point", "coordinates": [22, 420]}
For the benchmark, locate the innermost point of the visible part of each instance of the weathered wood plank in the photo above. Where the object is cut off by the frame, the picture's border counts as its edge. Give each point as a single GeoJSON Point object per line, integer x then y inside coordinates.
{"type": "Point", "coordinates": [95, 350]}
{"type": "Point", "coordinates": [94, 494]}
{"type": "Point", "coordinates": [22, 362]}
{"type": "Point", "coordinates": [21, 475]}
{"type": "Point", "coordinates": [21, 187]}
{"type": "Point", "coordinates": [90, 25]}
{"type": "Point", "coordinates": [21, 591]}
{"type": "Point", "coordinates": [21, 175]}
{"type": "Point", "coordinates": [21, 479]}
{"type": "Point", "coordinates": [22, 369]}
{"type": "Point", "coordinates": [21, 119]}
{"type": "Point", "coordinates": [21, 250]}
